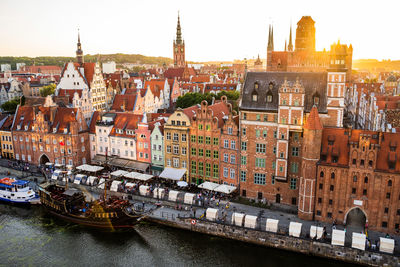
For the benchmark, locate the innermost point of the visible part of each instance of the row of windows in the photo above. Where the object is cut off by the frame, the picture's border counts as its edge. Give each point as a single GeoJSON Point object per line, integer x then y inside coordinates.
{"type": "Point", "coordinates": [200, 140]}
{"type": "Point", "coordinates": [175, 162]}
{"type": "Point", "coordinates": [5, 138]}
{"type": "Point", "coordinates": [175, 150]}
{"type": "Point", "coordinates": [260, 178]}
{"type": "Point", "coordinates": [55, 141]}
{"type": "Point", "coordinates": [176, 137]}
{"type": "Point", "coordinates": [200, 153]}
{"type": "Point", "coordinates": [233, 144]}
{"type": "Point", "coordinates": [198, 169]}
{"type": "Point", "coordinates": [178, 123]}
{"type": "Point", "coordinates": [354, 178]}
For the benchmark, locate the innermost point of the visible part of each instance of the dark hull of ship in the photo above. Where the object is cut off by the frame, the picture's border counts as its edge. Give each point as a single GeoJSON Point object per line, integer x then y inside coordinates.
{"type": "Point", "coordinates": [110, 223]}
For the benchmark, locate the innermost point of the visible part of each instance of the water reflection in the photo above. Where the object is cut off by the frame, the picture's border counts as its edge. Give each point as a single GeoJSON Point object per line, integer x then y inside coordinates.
{"type": "Point", "coordinates": [30, 236]}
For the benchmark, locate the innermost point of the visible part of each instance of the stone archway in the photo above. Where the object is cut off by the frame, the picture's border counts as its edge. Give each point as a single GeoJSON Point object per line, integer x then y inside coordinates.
{"type": "Point", "coordinates": [356, 217]}
{"type": "Point", "coordinates": [43, 159]}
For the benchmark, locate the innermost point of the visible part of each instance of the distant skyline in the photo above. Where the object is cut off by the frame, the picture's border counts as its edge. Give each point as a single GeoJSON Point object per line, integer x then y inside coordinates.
{"type": "Point", "coordinates": [212, 30]}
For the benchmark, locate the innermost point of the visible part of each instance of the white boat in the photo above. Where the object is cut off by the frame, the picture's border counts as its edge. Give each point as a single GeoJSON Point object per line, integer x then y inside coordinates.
{"type": "Point", "coordinates": [17, 191]}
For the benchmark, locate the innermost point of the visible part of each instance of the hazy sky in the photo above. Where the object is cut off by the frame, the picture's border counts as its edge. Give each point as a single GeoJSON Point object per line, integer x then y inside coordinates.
{"type": "Point", "coordinates": [213, 30]}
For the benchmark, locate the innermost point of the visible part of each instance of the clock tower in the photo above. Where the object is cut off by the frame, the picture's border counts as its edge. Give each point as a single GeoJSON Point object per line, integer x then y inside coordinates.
{"type": "Point", "coordinates": [179, 47]}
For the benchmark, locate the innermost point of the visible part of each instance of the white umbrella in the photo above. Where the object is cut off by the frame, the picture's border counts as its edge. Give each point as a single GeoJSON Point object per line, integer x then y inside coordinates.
{"type": "Point", "coordinates": [182, 184]}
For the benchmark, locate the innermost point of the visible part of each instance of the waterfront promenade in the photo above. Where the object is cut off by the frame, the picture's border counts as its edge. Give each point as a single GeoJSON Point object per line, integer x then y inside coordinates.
{"type": "Point", "coordinates": [167, 211]}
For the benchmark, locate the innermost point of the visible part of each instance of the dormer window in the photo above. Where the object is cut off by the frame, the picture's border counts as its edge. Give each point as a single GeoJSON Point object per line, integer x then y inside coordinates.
{"type": "Point", "coordinates": [256, 85]}
{"type": "Point", "coordinates": [18, 127]}
{"type": "Point", "coordinates": [316, 99]}
{"type": "Point", "coordinates": [26, 127]}
{"type": "Point", "coordinates": [65, 130]}
{"type": "Point", "coordinates": [254, 97]}
{"type": "Point", "coordinates": [54, 130]}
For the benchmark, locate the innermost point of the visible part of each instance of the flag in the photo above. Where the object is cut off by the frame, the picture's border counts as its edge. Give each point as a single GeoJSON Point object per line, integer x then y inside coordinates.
{"type": "Point", "coordinates": [61, 143]}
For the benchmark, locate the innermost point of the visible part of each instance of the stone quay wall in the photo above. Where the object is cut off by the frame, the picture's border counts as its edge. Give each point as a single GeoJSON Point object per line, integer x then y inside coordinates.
{"type": "Point", "coordinates": [281, 241]}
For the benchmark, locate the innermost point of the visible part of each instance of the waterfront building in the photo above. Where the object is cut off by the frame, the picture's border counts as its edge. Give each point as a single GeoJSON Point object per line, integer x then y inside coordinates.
{"type": "Point", "coordinates": [50, 134]}
{"type": "Point", "coordinates": [176, 133]}
{"type": "Point", "coordinates": [357, 178]}
{"type": "Point", "coordinates": [7, 147]}
{"type": "Point", "coordinates": [157, 147]}
{"type": "Point", "coordinates": [302, 57]}
{"type": "Point", "coordinates": [205, 150]}
{"type": "Point", "coordinates": [143, 140]}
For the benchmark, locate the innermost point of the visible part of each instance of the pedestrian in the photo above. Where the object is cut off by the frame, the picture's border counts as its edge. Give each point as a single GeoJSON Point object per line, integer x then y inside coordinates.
{"type": "Point", "coordinates": [194, 212]}
{"type": "Point", "coordinates": [143, 205]}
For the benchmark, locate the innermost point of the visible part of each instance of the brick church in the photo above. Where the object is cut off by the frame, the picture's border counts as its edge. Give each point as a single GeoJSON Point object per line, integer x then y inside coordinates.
{"type": "Point", "coordinates": [302, 57]}
{"type": "Point", "coordinates": [294, 149]}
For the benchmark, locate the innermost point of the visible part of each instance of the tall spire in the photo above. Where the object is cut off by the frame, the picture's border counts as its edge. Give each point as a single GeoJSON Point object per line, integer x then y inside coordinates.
{"type": "Point", "coordinates": [290, 47]}
{"type": "Point", "coordinates": [178, 31]}
{"type": "Point", "coordinates": [79, 52]}
{"type": "Point", "coordinates": [270, 39]}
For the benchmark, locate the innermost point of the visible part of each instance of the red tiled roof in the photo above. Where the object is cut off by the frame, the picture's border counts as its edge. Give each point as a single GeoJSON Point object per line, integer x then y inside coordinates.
{"type": "Point", "coordinates": [220, 109]}
{"type": "Point", "coordinates": [155, 86]}
{"type": "Point", "coordinates": [201, 79]}
{"type": "Point", "coordinates": [191, 111]}
{"type": "Point", "coordinates": [95, 118]}
{"type": "Point", "coordinates": [390, 141]}
{"type": "Point", "coordinates": [7, 123]}
{"type": "Point", "coordinates": [70, 93]}
{"type": "Point", "coordinates": [89, 69]}
{"type": "Point", "coordinates": [125, 121]}
{"type": "Point", "coordinates": [313, 122]}
{"type": "Point", "coordinates": [124, 100]}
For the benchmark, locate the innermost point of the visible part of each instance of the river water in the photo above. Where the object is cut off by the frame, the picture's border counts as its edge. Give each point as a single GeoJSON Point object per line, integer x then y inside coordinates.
{"type": "Point", "coordinates": [31, 237]}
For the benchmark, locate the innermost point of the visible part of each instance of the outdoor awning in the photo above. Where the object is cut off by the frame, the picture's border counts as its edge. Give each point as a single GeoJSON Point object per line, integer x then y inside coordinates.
{"type": "Point", "coordinates": [316, 231]}
{"type": "Point", "coordinates": [130, 185]}
{"type": "Point", "coordinates": [173, 195]}
{"type": "Point", "coordinates": [159, 192]}
{"type": "Point", "coordinates": [136, 165]}
{"type": "Point", "coordinates": [118, 162]}
{"type": "Point", "coordinates": [114, 186]}
{"type": "Point", "coordinates": [272, 225]}
{"type": "Point", "coordinates": [226, 189]}
{"type": "Point", "coordinates": [237, 218]}
{"type": "Point", "coordinates": [358, 241]}
{"type": "Point", "coordinates": [386, 245]}
{"type": "Point", "coordinates": [49, 164]}
{"type": "Point", "coordinates": [99, 159]}
{"type": "Point", "coordinates": [89, 168]}
{"type": "Point", "coordinates": [173, 174]}
{"type": "Point", "coordinates": [101, 183]}
{"type": "Point", "coordinates": [138, 175]}
{"type": "Point", "coordinates": [211, 214]}
{"type": "Point", "coordinates": [338, 237]}
{"type": "Point", "coordinates": [144, 190]}
{"type": "Point", "coordinates": [208, 185]}
{"type": "Point", "coordinates": [250, 221]}
{"type": "Point", "coordinates": [91, 180]}
{"type": "Point", "coordinates": [157, 168]}
{"type": "Point", "coordinates": [295, 229]}
{"type": "Point", "coordinates": [188, 199]}
{"type": "Point", "coordinates": [119, 173]}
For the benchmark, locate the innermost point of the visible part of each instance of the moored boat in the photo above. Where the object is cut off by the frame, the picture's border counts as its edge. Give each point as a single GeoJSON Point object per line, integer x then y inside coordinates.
{"type": "Point", "coordinates": [17, 191]}
{"type": "Point", "coordinates": [71, 205]}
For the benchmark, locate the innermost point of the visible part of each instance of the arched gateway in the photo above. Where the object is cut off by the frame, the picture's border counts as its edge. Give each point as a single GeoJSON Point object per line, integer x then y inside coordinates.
{"type": "Point", "coordinates": [356, 217]}
{"type": "Point", "coordinates": [43, 159]}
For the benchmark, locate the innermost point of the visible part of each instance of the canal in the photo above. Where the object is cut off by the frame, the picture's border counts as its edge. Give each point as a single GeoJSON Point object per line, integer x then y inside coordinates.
{"type": "Point", "coordinates": [31, 237]}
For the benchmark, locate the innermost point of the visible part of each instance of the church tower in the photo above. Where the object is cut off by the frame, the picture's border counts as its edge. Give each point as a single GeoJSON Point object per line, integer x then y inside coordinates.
{"type": "Point", "coordinates": [179, 47]}
{"type": "Point", "coordinates": [79, 52]}
{"type": "Point", "coordinates": [290, 46]}
{"type": "Point", "coordinates": [310, 152]}
{"type": "Point", "coordinates": [305, 34]}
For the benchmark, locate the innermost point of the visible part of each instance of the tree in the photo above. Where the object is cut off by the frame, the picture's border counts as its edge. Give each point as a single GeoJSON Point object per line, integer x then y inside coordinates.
{"type": "Point", "coordinates": [48, 90]}
{"type": "Point", "coordinates": [191, 99]}
{"type": "Point", "coordinates": [11, 106]}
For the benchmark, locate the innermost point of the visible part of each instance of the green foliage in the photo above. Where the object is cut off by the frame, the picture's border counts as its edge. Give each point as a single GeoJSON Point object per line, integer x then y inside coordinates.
{"type": "Point", "coordinates": [11, 106]}
{"type": "Point", "coordinates": [191, 99]}
{"type": "Point", "coordinates": [60, 61]}
{"type": "Point", "coordinates": [48, 90]}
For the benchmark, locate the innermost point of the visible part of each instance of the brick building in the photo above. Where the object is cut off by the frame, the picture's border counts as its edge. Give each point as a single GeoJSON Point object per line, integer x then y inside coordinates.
{"type": "Point", "coordinates": [205, 143]}
{"type": "Point", "coordinates": [358, 178]}
{"type": "Point", "coordinates": [50, 134]}
{"type": "Point", "coordinates": [302, 57]}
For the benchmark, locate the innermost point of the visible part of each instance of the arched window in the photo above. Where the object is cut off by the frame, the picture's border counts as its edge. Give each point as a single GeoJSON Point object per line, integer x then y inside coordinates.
{"type": "Point", "coordinates": [333, 175]}
{"type": "Point", "coordinates": [390, 183]}
{"type": "Point", "coordinates": [269, 96]}
{"type": "Point", "coordinates": [321, 174]}
{"type": "Point", "coordinates": [366, 180]}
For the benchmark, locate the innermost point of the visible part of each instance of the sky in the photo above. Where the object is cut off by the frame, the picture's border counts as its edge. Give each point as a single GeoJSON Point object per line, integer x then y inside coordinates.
{"type": "Point", "coordinates": [217, 30]}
